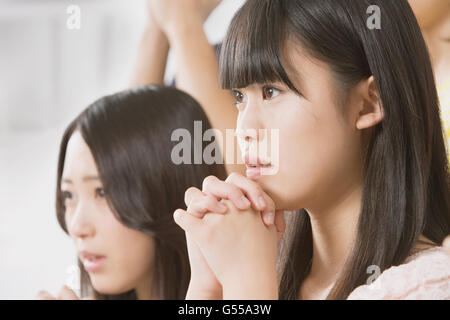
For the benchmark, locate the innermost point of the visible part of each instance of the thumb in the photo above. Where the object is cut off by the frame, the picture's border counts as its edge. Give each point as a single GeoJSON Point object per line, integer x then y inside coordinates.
{"type": "Point", "coordinates": [186, 221]}
{"type": "Point", "coordinates": [44, 295]}
{"type": "Point", "coordinates": [66, 294]}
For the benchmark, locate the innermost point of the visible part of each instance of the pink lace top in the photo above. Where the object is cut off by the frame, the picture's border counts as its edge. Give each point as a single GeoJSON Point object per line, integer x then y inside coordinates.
{"type": "Point", "coordinates": [425, 275]}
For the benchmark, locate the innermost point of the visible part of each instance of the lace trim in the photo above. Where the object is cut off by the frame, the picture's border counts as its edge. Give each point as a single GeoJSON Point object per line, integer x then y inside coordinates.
{"type": "Point", "coordinates": [424, 275]}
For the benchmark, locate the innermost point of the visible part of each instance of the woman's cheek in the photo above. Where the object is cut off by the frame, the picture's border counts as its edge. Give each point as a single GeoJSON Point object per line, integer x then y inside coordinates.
{"type": "Point", "coordinates": [107, 240]}
{"type": "Point", "coordinates": [296, 179]}
{"type": "Point", "coordinates": [133, 255]}
{"type": "Point", "coordinates": [126, 261]}
{"type": "Point", "coordinates": [303, 158]}
{"type": "Point", "coordinates": [428, 12]}
{"type": "Point", "coordinates": [67, 220]}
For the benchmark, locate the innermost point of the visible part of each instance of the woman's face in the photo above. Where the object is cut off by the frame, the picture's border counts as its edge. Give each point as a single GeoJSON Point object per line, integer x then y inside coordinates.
{"type": "Point", "coordinates": [428, 12]}
{"type": "Point", "coordinates": [319, 145]}
{"type": "Point", "coordinates": [116, 257]}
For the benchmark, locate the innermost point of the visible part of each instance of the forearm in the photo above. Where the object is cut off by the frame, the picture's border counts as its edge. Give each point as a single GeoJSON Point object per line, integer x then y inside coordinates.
{"type": "Point", "coordinates": [198, 74]}
{"type": "Point", "coordinates": [151, 58]}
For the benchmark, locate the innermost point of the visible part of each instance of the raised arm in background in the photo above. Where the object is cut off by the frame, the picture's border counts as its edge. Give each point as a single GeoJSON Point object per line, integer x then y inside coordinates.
{"type": "Point", "coordinates": [152, 54]}
{"type": "Point", "coordinates": [179, 25]}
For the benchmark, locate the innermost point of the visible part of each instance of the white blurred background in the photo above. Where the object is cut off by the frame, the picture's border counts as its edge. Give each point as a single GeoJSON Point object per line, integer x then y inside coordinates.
{"type": "Point", "coordinates": [48, 74]}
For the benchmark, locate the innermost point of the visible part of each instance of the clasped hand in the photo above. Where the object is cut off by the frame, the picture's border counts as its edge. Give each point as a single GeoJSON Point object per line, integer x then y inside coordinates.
{"type": "Point", "coordinates": [232, 230]}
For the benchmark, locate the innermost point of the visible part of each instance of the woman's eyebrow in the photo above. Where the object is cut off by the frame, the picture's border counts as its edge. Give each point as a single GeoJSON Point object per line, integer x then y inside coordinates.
{"type": "Point", "coordinates": [90, 178]}
{"type": "Point", "coordinates": [296, 75]}
{"type": "Point", "coordinates": [65, 180]}
{"type": "Point", "coordinates": [85, 179]}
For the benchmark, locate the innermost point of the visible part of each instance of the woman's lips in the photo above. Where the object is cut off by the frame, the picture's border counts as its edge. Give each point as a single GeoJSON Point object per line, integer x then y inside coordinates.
{"type": "Point", "coordinates": [92, 262]}
{"type": "Point", "coordinates": [254, 172]}
{"type": "Point", "coordinates": [256, 166]}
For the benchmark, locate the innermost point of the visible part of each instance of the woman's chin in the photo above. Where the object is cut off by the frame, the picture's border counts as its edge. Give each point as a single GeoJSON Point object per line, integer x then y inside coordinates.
{"type": "Point", "coordinates": [274, 187]}
{"type": "Point", "coordinates": [109, 285]}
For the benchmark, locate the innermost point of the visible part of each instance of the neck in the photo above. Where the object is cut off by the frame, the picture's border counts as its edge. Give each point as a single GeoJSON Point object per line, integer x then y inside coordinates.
{"type": "Point", "coordinates": [437, 38]}
{"type": "Point", "coordinates": [333, 232]}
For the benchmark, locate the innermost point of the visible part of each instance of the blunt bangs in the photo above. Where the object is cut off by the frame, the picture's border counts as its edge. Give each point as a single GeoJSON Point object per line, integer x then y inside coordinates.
{"type": "Point", "coordinates": [252, 49]}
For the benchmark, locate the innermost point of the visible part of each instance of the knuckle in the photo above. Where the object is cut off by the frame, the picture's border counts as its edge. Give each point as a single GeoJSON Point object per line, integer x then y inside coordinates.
{"type": "Point", "coordinates": [258, 190]}
{"type": "Point", "coordinates": [198, 206]}
{"type": "Point", "coordinates": [255, 187]}
{"type": "Point", "coordinates": [178, 214]}
{"type": "Point", "coordinates": [190, 210]}
{"type": "Point", "coordinates": [228, 203]}
{"type": "Point", "coordinates": [249, 185]}
{"type": "Point", "coordinates": [209, 202]}
{"type": "Point", "coordinates": [189, 194]}
{"type": "Point", "coordinates": [191, 190]}
{"type": "Point", "coordinates": [207, 181]}
{"type": "Point", "coordinates": [232, 177]}
{"type": "Point", "coordinates": [236, 194]}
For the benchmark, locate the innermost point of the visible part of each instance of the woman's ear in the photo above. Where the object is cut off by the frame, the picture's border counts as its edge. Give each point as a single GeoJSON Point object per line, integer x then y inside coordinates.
{"type": "Point", "coordinates": [371, 111]}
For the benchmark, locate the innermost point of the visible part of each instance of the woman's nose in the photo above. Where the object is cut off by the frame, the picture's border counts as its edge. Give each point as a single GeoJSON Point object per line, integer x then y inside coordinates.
{"type": "Point", "coordinates": [247, 134]}
{"type": "Point", "coordinates": [80, 224]}
{"type": "Point", "coordinates": [249, 124]}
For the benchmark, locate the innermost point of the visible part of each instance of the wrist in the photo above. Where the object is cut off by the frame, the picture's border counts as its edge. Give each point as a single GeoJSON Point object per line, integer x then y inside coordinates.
{"type": "Point", "coordinates": [183, 30]}
{"type": "Point", "coordinates": [251, 286]}
{"type": "Point", "coordinates": [153, 30]}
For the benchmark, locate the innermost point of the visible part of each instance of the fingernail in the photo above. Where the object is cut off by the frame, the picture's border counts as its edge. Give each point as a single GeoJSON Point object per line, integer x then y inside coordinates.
{"type": "Point", "coordinates": [176, 213]}
{"type": "Point", "coordinates": [261, 203]}
{"type": "Point", "coordinates": [245, 201]}
{"type": "Point", "coordinates": [271, 217]}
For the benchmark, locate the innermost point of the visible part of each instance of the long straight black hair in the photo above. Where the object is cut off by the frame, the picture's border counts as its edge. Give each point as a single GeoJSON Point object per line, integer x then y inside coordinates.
{"type": "Point", "coordinates": [406, 177]}
{"type": "Point", "coordinates": [129, 135]}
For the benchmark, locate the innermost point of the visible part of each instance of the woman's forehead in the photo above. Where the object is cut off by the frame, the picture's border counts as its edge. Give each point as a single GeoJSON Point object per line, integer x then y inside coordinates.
{"type": "Point", "coordinates": [79, 159]}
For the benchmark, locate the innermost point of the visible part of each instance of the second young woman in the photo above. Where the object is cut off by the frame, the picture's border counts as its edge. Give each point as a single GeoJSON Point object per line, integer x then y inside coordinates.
{"type": "Point", "coordinates": [117, 186]}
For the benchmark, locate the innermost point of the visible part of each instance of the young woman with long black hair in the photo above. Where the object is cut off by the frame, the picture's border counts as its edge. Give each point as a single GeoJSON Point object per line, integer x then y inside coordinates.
{"type": "Point", "coordinates": [117, 187]}
{"type": "Point", "coordinates": [362, 159]}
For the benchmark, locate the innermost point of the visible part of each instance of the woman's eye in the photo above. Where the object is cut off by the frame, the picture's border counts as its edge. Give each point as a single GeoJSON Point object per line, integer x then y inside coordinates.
{"type": "Point", "coordinates": [270, 92]}
{"type": "Point", "coordinates": [238, 96]}
{"type": "Point", "coordinates": [67, 196]}
{"type": "Point", "coordinates": [100, 192]}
